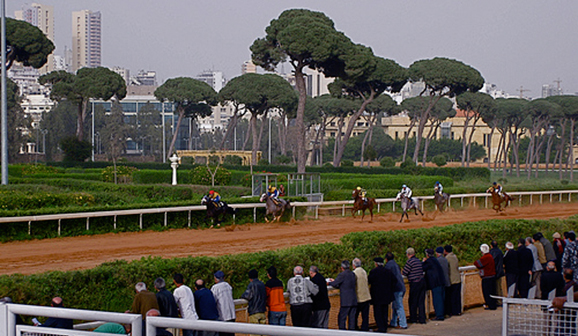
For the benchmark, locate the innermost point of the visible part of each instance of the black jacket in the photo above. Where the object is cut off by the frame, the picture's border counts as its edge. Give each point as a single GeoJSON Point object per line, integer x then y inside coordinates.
{"type": "Point", "coordinates": [321, 300]}
{"type": "Point", "coordinates": [434, 275]}
{"type": "Point", "coordinates": [525, 260]}
{"type": "Point", "coordinates": [549, 281]}
{"type": "Point", "coordinates": [511, 262]}
{"type": "Point", "coordinates": [346, 282]}
{"type": "Point", "coordinates": [498, 261]}
{"type": "Point", "coordinates": [57, 322]}
{"type": "Point", "coordinates": [382, 284]}
{"type": "Point", "coordinates": [256, 294]}
{"type": "Point", "coordinates": [167, 304]}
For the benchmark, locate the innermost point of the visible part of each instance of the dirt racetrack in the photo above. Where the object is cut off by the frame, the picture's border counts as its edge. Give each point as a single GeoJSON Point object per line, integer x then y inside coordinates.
{"type": "Point", "coordinates": [71, 253]}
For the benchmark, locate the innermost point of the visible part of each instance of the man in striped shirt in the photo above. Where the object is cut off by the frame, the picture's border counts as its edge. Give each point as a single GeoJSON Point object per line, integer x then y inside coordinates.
{"type": "Point", "coordinates": [413, 270]}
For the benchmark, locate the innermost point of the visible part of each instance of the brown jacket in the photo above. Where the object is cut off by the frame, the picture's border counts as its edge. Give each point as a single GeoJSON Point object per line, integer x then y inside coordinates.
{"type": "Point", "coordinates": [143, 302]}
{"type": "Point", "coordinates": [455, 277]}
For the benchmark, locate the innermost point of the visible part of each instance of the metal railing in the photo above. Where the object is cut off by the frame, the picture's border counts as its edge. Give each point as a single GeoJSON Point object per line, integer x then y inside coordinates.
{"type": "Point", "coordinates": [533, 196]}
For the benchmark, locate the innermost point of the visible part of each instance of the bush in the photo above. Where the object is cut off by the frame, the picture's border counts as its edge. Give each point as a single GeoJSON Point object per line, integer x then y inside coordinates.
{"type": "Point", "coordinates": [283, 159]}
{"type": "Point", "coordinates": [123, 174]}
{"type": "Point", "coordinates": [263, 162]}
{"type": "Point", "coordinates": [75, 150]}
{"type": "Point", "coordinates": [407, 164]}
{"type": "Point", "coordinates": [439, 160]}
{"type": "Point", "coordinates": [201, 175]}
{"type": "Point", "coordinates": [346, 163]}
{"type": "Point", "coordinates": [32, 169]}
{"type": "Point", "coordinates": [387, 162]}
{"type": "Point", "coordinates": [233, 160]}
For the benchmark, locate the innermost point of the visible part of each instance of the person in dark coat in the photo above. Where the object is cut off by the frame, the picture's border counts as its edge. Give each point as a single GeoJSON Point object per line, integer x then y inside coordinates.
{"type": "Point", "coordinates": [511, 267]}
{"type": "Point", "coordinates": [435, 281]}
{"type": "Point", "coordinates": [552, 280]}
{"type": "Point", "coordinates": [345, 282]}
{"type": "Point", "coordinates": [525, 263]}
{"type": "Point", "coordinates": [413, 270]}
{"type": "Point", "coordinates": [321, 304]}
{"type": "Point", "coordinates": [205, 304]}
{"type": "Point", "coordinates": [256, 295]}
{"type": "Point", "coordinates": [167, 304]}
{"type": "Point", "coordinates": [382, 285]}
{"type": "Point", "coordinates": [498, 256]}
{"type": "Point", "coordinates": [57, 322]}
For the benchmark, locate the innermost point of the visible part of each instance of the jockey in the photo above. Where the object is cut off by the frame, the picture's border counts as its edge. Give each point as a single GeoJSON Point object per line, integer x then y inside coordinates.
{"type": "Point", "coordinates": [363, 194]}
{"type": "Point", "coordinates": [498, 188]}
{"type": "Point", "coordinates": [215, 198]}
{"type": "Point", "coordinates": [440, 188]}
{"type": "Point", "coordinates": [273, 193]}
{"type": "Point", "coordinates": [405, 190]}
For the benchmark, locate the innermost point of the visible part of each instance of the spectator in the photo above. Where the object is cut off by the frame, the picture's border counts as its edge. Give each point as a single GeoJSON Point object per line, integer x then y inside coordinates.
{"type": "Point", "coordinates": [205, 306]}
{"type": "Point", "coordinates": [454, 299]}
{"type": "Point", "coordinates": [143, 301]}
{"type": "Point", "coordinates": [558, 245]}
{"type": "Point", "coordinates": [111, 328]}
{"type": "Point", "coordinates": [413, 270]}
{"type": "Point", "coordinates": [488, 274]}
{"type": "Point", "coordinates": [185, 301]}
{"type": "Point", "coordinates": [300, 291]}
{"type": "Point", "coordinates": [525, 265]}
{"type": "Point", "coordinates": [275, 298]}
{"type": "Point", "coordinates": [498, 256]}
{"type": "Point", "coordinates": [511, 268]}
{"type": "Point", "coordinates": [434, 276]}
{"type": "Point", "coordinates": [569, 281]}
{"type": "Point", "coordinates": [8, 299]}
{"type": "Point", "coordinates": [256, 294]}
{"type": "Point", "coordinates": [439, 253]}
{"type": "Point", "coordinates": [383, 285]}
{"type": "Point", "coordinates": [160, 331]}
{"type": "Point", "coordinates": [57, 322]}
{"type": "Point", "coordinates": [537, 266]}
{"type": "Point", "coordinates": [346, 282]}
{"type": "Point", "coordinates": [552, 280]}
{"type": "Point", "coordinates": [548, 248]}
{"type": "Point", "coordinates": [321, 304]}
{"type": "Point", "coordinates": [541, 250]}
{"type": "Point", "coordinates": [363, 295]}
{"type": "Point", "coordinates": [223, 293]}
{"type": "Point", "coordinates": [166, 300]}
{"type": "Point", "coordinates": [398, 312]}
{"type": "Point", "coordinates": [570, 258]}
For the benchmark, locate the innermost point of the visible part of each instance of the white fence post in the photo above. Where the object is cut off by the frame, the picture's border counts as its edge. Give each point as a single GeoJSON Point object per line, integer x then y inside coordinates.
{"type": "Point", "coordinates": [3, 320]}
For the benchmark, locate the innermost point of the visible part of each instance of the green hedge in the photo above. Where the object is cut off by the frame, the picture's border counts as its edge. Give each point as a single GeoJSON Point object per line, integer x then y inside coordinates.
{"type": "Point", "coordinates": [110, 286]}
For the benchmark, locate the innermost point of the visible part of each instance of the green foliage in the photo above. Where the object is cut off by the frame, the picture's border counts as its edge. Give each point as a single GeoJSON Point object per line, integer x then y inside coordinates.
{"type": "Point", "coordinates": [387, 162]}
{"type": "Point", "coordinates": [28, 44]}
{"type": "Point", "coordinates": [25, 201]}
{"type": "Point", "coordinates": [439, 160]}
{"type": "Point", "coordinates": [233, 160]}
{"type": "Point", "coordinates": [75, 150]}
{"type": "Point", "coordinates": [347, 163]}
{"type": "Point", "coordinates": [201, 175]}
{"type": "Point", "coordinates": [283, 159]}
{"type": "Point", "coordinates": [124, 174]}
{"type": "Point", "coordinates": [263, 162]}
{"type": "Point", "coordinates": [33, 169]}
{"type": "Point", "coordinates": [407, 164]}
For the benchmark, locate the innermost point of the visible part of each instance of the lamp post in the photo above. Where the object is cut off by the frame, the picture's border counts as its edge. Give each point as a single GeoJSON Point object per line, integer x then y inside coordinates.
{"type": "Point", "coordinates": [174, 164]}
{"type": "Point", "coordinates": [44, 132]}
{"type": "Point", "coordinates": [3, 98]}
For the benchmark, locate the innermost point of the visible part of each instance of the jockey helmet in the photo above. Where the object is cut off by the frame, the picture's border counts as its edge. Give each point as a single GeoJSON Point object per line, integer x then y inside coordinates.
{"type": "Point", "coordinates": [438, 182]}
{"type": "Point", "coordinates": [270, 188]}
{"type": "Point", "coordinates": [212, 192]}
{"type": "Point", "coordinates": [495, 183]}
{"type": "Point", "coordinates": [404, 186]}
{"type": "Point", "coordinates": [358, 188]}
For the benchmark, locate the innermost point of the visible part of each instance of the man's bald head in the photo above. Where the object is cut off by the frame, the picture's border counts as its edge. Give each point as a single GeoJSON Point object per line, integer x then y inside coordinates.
{"type": "Point", "coordinates": [56, 302]}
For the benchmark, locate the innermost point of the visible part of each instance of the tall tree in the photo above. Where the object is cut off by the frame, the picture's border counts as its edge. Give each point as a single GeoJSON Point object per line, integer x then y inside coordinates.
{"type": "Point", "coordinates": [569, 106]}
{"type": "Point", "coordinates": [475, 105]}
{"type": "Point", "coordinates": [115, 133]}
{"type": "Point", "coordinates": [382, 105]}
{"type": "Point", "coordinates": [366, 77]}
{"type": "Point", "coordinates": [192, 98]}
{"type": "Point", "coordinates": [96, 83]}
{"type": "Point", "coordinates": [514, 113]}
{"type": "Point", "coordinates": [413, 107]}
{"type": "Point", "coordinates": [441, 111]}
{"type": "Point", "coordinates": [442, 77]}
{"type": "Point", "coordinates": [19, 125]}
{"type": "Point", "coordinates": [26, 44]}
{"type": "Point", "coordinates": [306, 39]}
{"type": "Point", "coordinates": [539, 112]}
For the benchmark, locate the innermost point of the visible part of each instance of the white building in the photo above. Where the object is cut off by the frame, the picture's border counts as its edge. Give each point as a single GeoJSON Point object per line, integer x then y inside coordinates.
{"type": "Point", "coordinates": [215, 79]}
{"type": "Point", "coordinates": [41, 16]}
{"type": "Point", "coordinates": [86, 39]}
{"type": "Point", "coordinates": [124, 73]}
{"type": "Point", "coordinates": [35, 105]}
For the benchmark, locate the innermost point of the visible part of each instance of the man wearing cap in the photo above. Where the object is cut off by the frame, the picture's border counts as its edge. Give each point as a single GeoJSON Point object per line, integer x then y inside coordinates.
{"type": "Point", "coordinates": [300, 291]}
{"type": "Point", "coordinates": [223, 293]}
{"type": "Point", "coordinates": [363, 295]}
{"type": "Point", "coordinates": [511, 267]}
{"type": "Point", "coordinates": [435, 281]}
{"type": "Point", "coordinates": [256, 294]}
{"type": "Point", "coordinates": [345, 282]}
{"type": "Point", "coordinates": [383, 284]}
{"type": "Point", "coordinates": [488, 274]}
{"type": "Point", "coordinates": [185, 301]}
{"type": "Point", "coordinates": [275, 298]}
{"type": "Point", "coordinates": [321, 304]}
{"type": "Point", "coordinates": [413, 270]}
{"type": "Point", "coordinates": [454, 294]}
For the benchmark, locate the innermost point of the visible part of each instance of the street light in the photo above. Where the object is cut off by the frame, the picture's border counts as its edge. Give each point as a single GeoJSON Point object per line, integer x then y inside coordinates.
{"type": "Point", "coordinates": [44, 132]}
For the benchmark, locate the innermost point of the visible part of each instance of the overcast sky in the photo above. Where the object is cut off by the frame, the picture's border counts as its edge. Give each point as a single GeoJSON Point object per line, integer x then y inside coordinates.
{"type": "Point", "coordinates": [512, 43]}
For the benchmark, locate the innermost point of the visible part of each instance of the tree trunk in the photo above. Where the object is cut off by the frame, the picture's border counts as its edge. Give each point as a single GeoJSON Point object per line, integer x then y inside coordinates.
{"type": "Point", "coordinates": [299, 120]}
{"type": "Point", "coordinates": [230, 128]}
{"type": "Point", "coordinates": [338, 136]}
{"type": "Point", "coordinates": [427, 141]}
{"type": "Point", "coordinates": [411, 125]}
{"type": "Point", "coordinates": [549, 151]}
{"type": "Point", "coordinates": [490, 147]}
{"type": "Point", "coordinates": [181, 112]}
{"type": "Point", "coordinates": [247, 136]}
{"type": "Point", "coordinates": [572, 121]}
{"type": "Point", "coordinates": [464, 138]}
{"type": "Point", "coordinates": [468, 158]}
{"type": "Point", "coordinates": [82, 106]}
{"type": "Point", "coordinates": [537, 155]}
{"type": "Point", "coordinates": [422, 121]}
{"type": "Point", "coordinates": [363, 146]}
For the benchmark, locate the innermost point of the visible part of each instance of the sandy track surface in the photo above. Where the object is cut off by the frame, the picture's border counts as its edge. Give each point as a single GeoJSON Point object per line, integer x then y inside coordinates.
{"type": "Point", "coordinates": [71, 253]}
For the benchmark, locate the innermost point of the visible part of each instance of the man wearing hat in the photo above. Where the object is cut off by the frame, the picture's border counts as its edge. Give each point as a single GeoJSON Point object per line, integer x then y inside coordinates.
{"type": "Point", "coordinates": [382, 284]}
{"type": "Point", "coordinates": [435, 281]}
{"type": "Point", "coordinates": [256, 294]}
{"type": "Point", "coordinates": [511, 268]}
{"type": "Point", "coordinates": [223, 293]}
{"type": "Point", "coordinates": [488, 274]}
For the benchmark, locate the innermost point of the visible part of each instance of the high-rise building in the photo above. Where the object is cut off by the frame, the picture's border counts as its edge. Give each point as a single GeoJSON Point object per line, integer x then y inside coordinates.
{"type": "Point", "coordinates": [215, 79]}
{"type": "Point", "coordinates": [248, 67]}
{"type": "Point", "coordinates": [41, 16]}
{"type": "Point", "coordinates": [124, 73]}
{"type": "Point", "coordinates": [86, 39]}
{"type": "Point", "coordinates": [144, 77]}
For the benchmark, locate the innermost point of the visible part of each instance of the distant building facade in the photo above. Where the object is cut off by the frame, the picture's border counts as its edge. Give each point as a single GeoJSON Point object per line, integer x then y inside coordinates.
{"type": "Point", "coordinates": [41, 16]}
{"type": "Point", "coordinates": [86, 39]}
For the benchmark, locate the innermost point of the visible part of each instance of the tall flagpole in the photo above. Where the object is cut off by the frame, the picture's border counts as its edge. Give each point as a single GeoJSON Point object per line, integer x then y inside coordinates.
{"type": "Point", "coordinates": [4, 105]}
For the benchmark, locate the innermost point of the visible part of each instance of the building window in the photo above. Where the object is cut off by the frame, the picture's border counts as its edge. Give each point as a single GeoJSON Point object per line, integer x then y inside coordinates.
{"type": "Point", "coordinates": [396, 135]}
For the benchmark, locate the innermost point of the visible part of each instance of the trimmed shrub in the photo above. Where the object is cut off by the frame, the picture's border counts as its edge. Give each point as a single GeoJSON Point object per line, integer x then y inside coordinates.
{"type": "Point", "coordinates": [201, 175]}
{"type": "Point", "coordinates": [407, 164]}
{"type": "Point", "coordinates": [33, 169]}
{"type": "Point", "coordinates": [439, 160]}
{"type": "Point", "coordinates": [233, 160]}
{"type": "Point", "coordinates": [387, 162]}
{"type": "Point", "coordinates": [346, 163]}
{"type": "Point", "coordinates": [263, 162]}
{"type": "Point", "coordinates": [123, 174]}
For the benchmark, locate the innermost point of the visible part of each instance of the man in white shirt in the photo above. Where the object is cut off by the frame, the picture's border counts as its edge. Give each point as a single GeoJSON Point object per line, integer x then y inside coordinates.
{"type": "Point", "coordinates": [185, 300]}
{"type": "Point", "coordinates": [223, 293]}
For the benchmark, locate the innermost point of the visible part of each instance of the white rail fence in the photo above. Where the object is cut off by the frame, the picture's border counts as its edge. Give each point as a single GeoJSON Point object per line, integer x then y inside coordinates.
{"type": "Point", "coordinates": [538, 197]}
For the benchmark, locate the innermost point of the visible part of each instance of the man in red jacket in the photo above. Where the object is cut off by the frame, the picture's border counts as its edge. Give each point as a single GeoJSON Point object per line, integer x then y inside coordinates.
{"type": "Point", "coordinates": [488, 274]}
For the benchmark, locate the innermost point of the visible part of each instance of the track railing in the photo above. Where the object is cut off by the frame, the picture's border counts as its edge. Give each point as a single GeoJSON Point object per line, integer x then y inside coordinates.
{"type": "Point", "coordinates": [538, 197]}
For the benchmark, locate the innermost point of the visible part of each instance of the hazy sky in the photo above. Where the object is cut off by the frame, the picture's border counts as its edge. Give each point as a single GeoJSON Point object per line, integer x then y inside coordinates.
{"type": "Point", "coordinates": [512, 43]}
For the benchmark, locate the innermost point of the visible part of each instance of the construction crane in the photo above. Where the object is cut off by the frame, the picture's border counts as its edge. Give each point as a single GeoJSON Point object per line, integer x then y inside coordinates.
{"type": "Point", "coordinates": [522, 90]}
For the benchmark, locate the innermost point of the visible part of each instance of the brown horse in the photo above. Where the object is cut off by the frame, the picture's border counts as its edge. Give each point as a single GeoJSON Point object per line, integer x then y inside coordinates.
{"type": "Point", "coordinates": [498, 200]}
{"type": "Point", "coordinates": [359, 204]}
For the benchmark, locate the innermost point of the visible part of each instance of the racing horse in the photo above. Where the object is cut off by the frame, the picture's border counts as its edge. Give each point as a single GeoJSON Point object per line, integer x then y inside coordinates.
{"type": "Point", "coordinates": [360, 205]}
{"type": "Point", "coordinates": [274, 209]}
{"type": "Point", "coordinates": [407, 205]}
{"type": "Point", "coordinates": [217, 214]}
{"type": "Point", "coordinates": [441, 201]}
{"type": "Point", "coordinates": [498, 200]}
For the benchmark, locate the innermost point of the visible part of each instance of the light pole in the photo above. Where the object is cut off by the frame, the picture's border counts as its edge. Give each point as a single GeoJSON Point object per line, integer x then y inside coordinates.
{"type": "Point", "coordinates": [44, 132]}
{"type": "Point", "coordinates": [3, 99]}
{"type": "Point", "coordinates": [97, 134]}
{"type": "Point", "coordinates": [269, 140]}
{"type": "Point", "coordinates": [36, 145]}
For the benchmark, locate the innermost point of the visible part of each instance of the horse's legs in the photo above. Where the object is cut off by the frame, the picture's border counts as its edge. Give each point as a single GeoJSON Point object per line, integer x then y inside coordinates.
{"type": "Point", "coordinates": [371, 213]}
{"type": "Point", "coordinates": [362, 214]}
